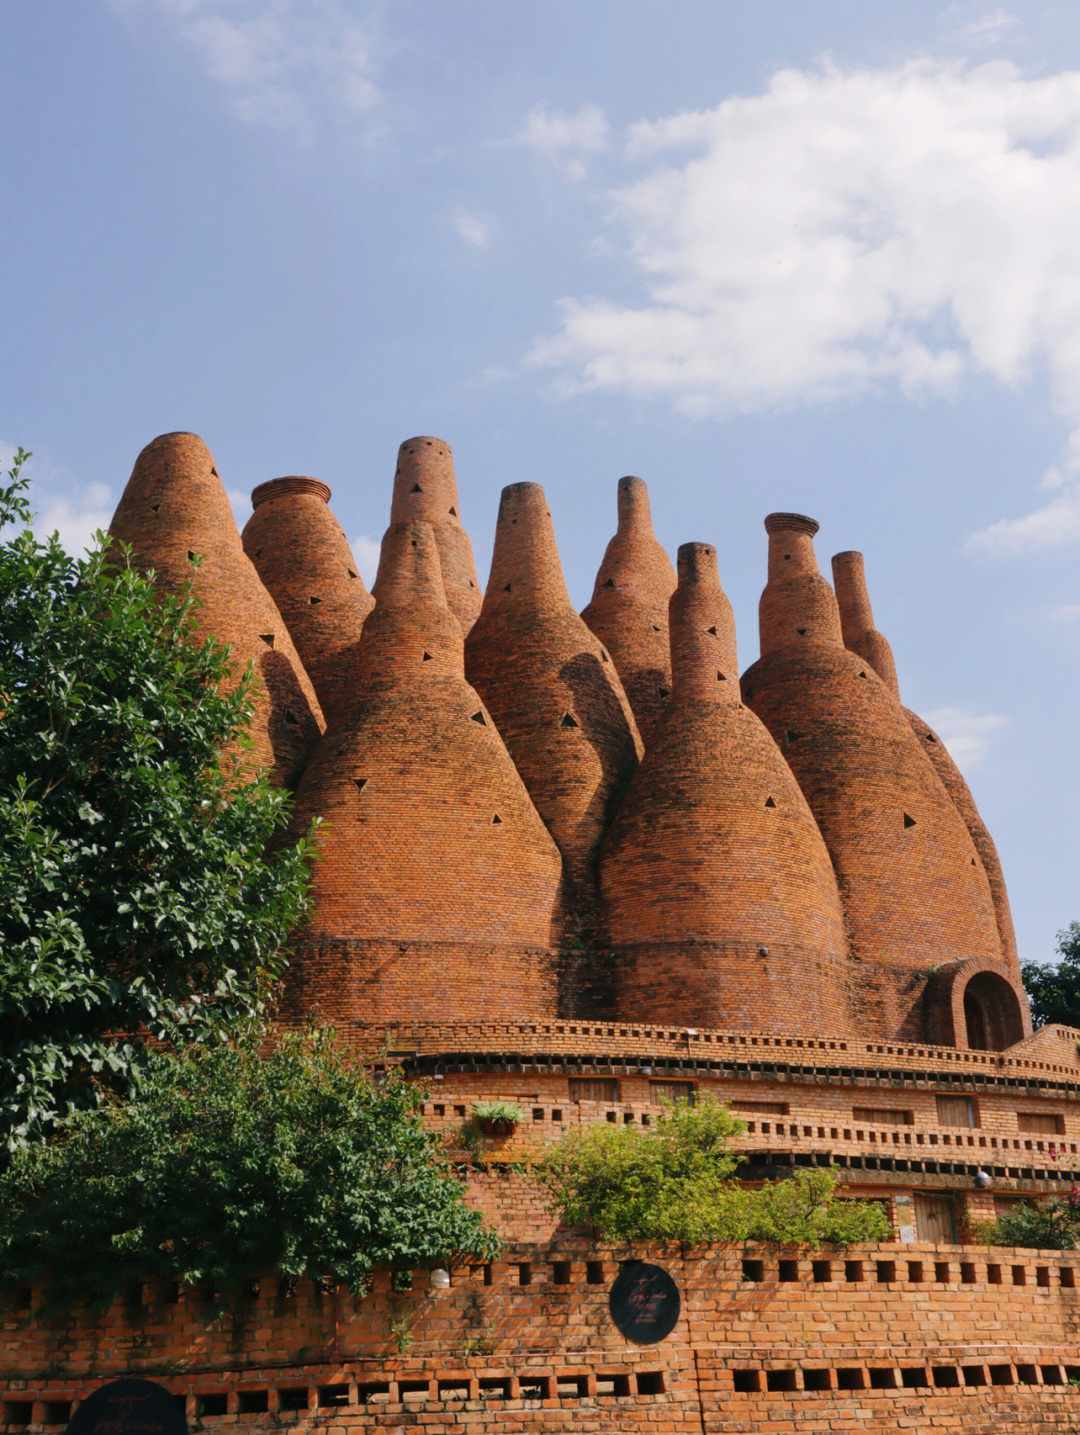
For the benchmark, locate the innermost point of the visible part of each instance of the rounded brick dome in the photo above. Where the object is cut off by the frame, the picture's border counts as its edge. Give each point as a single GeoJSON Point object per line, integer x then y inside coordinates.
{"type": "Point", "coordinates": [305, 562]}
{"type": "Point", "coordinates": [914, 891]}
{"type": "Point", "coordinates": [550, 684]}
{"type": "Point", "coordinates": [425, 488]}
{"type": "Point", "coordinates": [437, 885]}
{"type": "Point", "coordinates": [860, 635]}
{"type": "Point", "coordinates": [174, 507]}
{"type": "Point", "coordinates": [629, 607]}
{"type": "Point", "coordinates": [718, 894]}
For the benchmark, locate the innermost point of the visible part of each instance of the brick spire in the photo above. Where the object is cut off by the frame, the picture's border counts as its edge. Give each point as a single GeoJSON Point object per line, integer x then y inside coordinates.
{"type": "Point", "coordinates": [304, 559]}
{"type": "Point", "coordinates": [857, 619]}
{"type": "Point", "coordinates": [862, 637]}
{"type": "Point", "coordinates": [914, 891]}
{"type": "Point", "coordinates": [175, 506]}
{"type": "Point", "coordinates": [425, 487]}
{"type": "Point", "coordinates": [437, 885]}
{"type": "Point", "coordinates": [628, 611]}
{"type": "Point", "coordinates": [550, 683]}
{"type": "Point", "coordinates": [718, 892]}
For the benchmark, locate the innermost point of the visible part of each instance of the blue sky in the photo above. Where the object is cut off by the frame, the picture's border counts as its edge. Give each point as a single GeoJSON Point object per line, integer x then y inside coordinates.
{"type": "Point", "coordinates": [814, 257]}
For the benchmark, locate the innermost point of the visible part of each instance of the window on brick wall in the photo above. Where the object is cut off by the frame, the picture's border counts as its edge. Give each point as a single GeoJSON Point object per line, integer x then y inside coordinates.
{"type": "Point", "coordinates": [671, 1091]}
{"type": "Point", "coordinates": [766, 1108]}
{"type": "Point", "coordinates": [593, 1088]}
{"type": "Point", "coordinates": [882, 1115]}
{"type": "Point", "coordinates": [1041, 1122]}
{"type": "Point", "coordinates": [956, 1111]}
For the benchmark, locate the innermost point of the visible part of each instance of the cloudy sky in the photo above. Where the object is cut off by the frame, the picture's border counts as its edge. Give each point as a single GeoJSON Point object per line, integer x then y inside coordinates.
{"type": "Point", "coordinates": [783, 256]}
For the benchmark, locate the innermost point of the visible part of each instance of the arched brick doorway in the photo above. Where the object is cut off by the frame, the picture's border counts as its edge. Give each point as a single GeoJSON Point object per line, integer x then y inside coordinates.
{"type": "Point", "coordinates": [992, 1015]}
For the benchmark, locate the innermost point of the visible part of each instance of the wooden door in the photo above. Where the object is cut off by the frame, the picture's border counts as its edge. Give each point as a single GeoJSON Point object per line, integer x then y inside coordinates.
{"type": "Point", "coordinates": [935, 1218]}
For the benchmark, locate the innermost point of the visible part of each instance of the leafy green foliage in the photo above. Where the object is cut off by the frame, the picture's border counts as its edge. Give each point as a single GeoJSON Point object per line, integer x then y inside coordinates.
{"type": "Point", "coordinates": [673, 1182]}
{"type": "Point", "coordinates": [1052, 1225]}
{"type": "Point", "coordinates": [227, 1165]}
{"type": "Point", "coordinates": [135, 896]}
{"type": "Point", "coordinates": [501, 1113]}
{"type": "Point", "coordinates": [1054, 991]}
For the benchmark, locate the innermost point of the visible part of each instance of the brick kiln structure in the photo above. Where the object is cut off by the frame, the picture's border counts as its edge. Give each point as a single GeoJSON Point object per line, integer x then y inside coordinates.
{"type": "Point", "coordinates": [789, 902]}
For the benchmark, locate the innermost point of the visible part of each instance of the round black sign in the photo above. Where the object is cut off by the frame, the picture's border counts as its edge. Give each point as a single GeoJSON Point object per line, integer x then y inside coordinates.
{"type": "Point", "coordinates": [644, 1303]}
{"type": "Point", "coordinates": [129, 1407]}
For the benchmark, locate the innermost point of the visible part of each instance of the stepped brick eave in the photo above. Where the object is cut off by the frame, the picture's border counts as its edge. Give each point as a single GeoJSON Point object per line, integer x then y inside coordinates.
{"type": "Point", "coordinates": [628, 609]}
{"type": "Point", "coordinates": [550, 684]}
{"type": "Point", "coordinates": [175, 508]}
{"type": "Point", "coordinates": [718, 893]}
{"type": "Point", "coordinates": [304, 560]}
{"type": "Point", "coordinates": [425, 488]}
{"type": "Point", "coordinates": [914, 890]}
{"type": "Point", "coordinates": [437, 886]}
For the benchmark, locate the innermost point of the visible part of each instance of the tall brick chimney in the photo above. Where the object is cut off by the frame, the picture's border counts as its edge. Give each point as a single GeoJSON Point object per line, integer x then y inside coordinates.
{"type": "Point", "coordinates": [304, 559]}
{"type": "Point", "coordinates": [857, 619]}
{"type": "Point", "coordinates": [550, 684]}
{"type": "Point", "coordinates": [718, 892]}
{"type": "Point", "coordinates": [175, 506]}
{"type": "Point", "coordinates": [437, 887]}
{"type": "Point", "coordinates": [628, 611]}
{"type": "Point", "coordinates": [425, 488]}
{"type": "Point", "coordinates": [914, 891]}
{"type": "Point", "coordinates": [862, 637]}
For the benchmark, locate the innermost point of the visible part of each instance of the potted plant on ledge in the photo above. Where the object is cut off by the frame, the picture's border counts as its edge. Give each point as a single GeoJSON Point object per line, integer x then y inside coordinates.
{"type": "Point", "coordinates": [497, 1118]}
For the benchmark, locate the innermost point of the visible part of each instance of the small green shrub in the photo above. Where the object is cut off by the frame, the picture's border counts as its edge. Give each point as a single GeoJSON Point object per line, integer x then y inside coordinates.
{"type": "Point", "coordinates": [498, 1113]}
{"type": "Point", "coordinates": [674, 1182]}
{"type": "Point", "coordinates": [1053, 1225]}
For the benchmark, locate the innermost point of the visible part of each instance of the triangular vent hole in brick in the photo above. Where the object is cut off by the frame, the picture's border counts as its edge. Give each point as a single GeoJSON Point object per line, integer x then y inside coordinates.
{"type": "Point", "coordinates": [770, 802]}
{"type": "Point", "coordinates": [604, 656]}
{"type": "Point", "coordinates": [191, 555]}
{"type": "Point", "coordinates": [360, 783]}
{"type": "Point", "coordinates": [496, 821]}
{"type": "Point", "coordinates": [713, 631]}
{"type": "Point", "coordinates": [480, 718]}
{"type": "Point", "coordinates": [801, 632]}
{"type": "Point", "coordinates": [313, 600]}
{"type": "Point", "coordinates": [930, 737]}
{"type": "Point", "coordinates": [663, 692]}
{"type": "Point", "coordinates": [506, 587]}
{"type": "Point", "coordinates": [863, 675]}
{"type": "Point", "coordinates": [427, 657]}
{"type": "Point", "coordinates": [568, 720]}
{"type": "Point", "coordinates": [657, 628]}
{"type": "Point", "coordinates": [909, 821]}
{"type": "Point", "coordinates": [290, 717]}
{"type": "Point", "coordinates": [791, 736]}
{"type": "Point", "coordinates": [453, 511]}
{"type": "Point", "coordinates": [720, 678]}
{"type": "Point", "coordinates": [609, 583]}
{"type": "Point", "coordinates": [268, 639]}
{"type": "Point", "coordinates": [351, 573]}
{"type": "Point", "coordinates": [416, 488]}
{"type": "Point", "coordinates": [154, 507]}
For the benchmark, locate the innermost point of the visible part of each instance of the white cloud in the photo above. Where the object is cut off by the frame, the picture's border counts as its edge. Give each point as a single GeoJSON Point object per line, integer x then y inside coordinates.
{"type": "Point", "coordinates": [992, 27]}
{"type": "Point", "coordinates": [845, 232]}
{"type": "Point", "coordinates": [366, 552]}
{"type": "Point", "coordinates": [968, 736]}
{"type": "Point", "coordinates": [283, 62]}
{"type": "Point", "coordinates": [565, 140]}
{"type": "Point", "coordinates": [1055, 524]}
{"type": "Point", "coordinates": [473, 229]}
{"type": "Point", "coordinates": [75, 518]}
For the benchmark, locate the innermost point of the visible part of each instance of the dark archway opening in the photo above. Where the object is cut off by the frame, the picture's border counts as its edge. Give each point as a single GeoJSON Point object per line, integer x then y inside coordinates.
{"type": "Point", "coordinates": [992, 1013]}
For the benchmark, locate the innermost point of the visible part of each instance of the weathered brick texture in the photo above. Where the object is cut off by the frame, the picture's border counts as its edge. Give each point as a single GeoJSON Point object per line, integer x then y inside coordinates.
{"type": "Point", "coordinates": [175, 506]}
{"type": "Point", "coordinates": [629, 607]}
{"type": "Point", "coordinates": [425, 488]}
{"type": "Point", "coordinates": [718, 892]}
{"type": "Point", "coordinates": [304, 560]}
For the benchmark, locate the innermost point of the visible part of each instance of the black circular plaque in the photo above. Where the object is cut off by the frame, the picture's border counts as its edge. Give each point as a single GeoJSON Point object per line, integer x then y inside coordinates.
{"type": "Point", "coordinates": [644, 1303]}
{"type": "Point", "coordinates": [129, 1407]}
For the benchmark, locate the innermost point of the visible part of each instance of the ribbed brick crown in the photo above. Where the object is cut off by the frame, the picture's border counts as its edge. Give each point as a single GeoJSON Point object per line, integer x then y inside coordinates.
{"type": "Point", "coordinates": [174, 506]}
{"type": "Point", "coordinates": [913, 887]}
{"type": "Point", "coordinates": [425, 487]}
{"type": "Point", "coordinates": [550, 683]}
{"type": "Point", "coordinates": [304, 560]}
{"type": "Point", "coordinates": [797, 608]}
{"type": "Point", "coordinates": [717, 889]}
{"type": "Point", "coordinates": [862, 637]}
{"type": "Point", "coordinates": [857, 619]}
{"type": "Point", "coordinates": [437, 885]}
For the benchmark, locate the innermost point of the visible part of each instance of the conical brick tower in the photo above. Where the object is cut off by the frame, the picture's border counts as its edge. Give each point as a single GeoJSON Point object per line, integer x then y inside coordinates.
{"type": "Point", "coordinates": [437, 885]}
{"type": "Point", "coordinates": [304, 560]}
{"type": "Point", "coordinates": [717, 889]}
{"type": "Point", "coordinates": [629, 608]}
{"type": "Point", "coordinates": [551, 685]}
{"type": "Point", "coordinates": [860, 635]}
{"type": "Point", "coordinates": [175, 507]}
{"type": "Point", "coordinates": [425, 488]}
{"type": "Point", "coordinates": [914, 891]}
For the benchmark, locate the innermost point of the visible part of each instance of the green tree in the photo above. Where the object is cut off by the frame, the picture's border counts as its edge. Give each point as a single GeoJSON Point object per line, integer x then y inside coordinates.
{"type": "Point", "coordinates": [1054, 991]}
{"type": "Point", "coordinates": [674, 1182]}
{"type": "Point", "coordinates": [228, 1164]}
{"type": "Point", "coordinates": [1052, 1225]}
{"type": "Point", "coordinates": [136, 899]}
